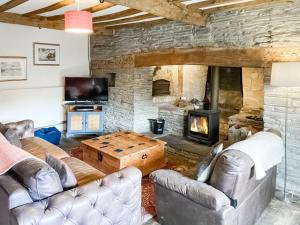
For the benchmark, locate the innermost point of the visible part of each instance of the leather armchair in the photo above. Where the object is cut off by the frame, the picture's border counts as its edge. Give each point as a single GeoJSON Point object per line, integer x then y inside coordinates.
{"type": "Point", "coordinates": [227, 199]}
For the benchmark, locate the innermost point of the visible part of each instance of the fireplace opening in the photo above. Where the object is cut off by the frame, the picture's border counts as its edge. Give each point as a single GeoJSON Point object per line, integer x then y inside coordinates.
{"type": "Point", "coordinates": [199, 125]}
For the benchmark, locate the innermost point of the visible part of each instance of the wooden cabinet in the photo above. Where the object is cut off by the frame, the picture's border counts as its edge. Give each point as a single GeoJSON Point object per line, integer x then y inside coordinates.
{"type": "Point", "coordinates": [85, 122]}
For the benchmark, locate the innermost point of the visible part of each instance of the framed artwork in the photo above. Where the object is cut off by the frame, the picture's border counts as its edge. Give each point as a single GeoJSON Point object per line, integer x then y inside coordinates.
{"type": "Point", "coordinates": [13, 68]}
{"type": "Point", "coordinates": [46, 54]}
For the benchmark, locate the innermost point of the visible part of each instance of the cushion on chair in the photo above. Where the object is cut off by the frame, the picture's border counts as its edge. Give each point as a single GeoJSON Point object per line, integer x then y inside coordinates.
{"type": "Point", "coordinates": [206, 166]}
{"type": "Point", "coordinates": [13, 138]}
{"type": "Point", "coordinates": [232, 173]}
{"type": "Point", "coordinates": [67, 177]}
{"type": "Point", "coordinates": [40, 179]}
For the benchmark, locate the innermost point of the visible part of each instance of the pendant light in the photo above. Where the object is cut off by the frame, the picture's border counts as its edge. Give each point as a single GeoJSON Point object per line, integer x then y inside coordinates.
{"type": "Point", "coordinates": [78, 21]}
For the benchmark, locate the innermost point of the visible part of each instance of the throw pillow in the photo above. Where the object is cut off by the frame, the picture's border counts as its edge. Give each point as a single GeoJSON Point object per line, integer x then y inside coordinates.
{"type": "Point", "coordinates": [40, 179]}
{"type": "Point", "coordinates": [67, 177]}
{"type": "Point", "coordinates": [12, 137]}
{"type": "Point", "coordinates": [205, 167]}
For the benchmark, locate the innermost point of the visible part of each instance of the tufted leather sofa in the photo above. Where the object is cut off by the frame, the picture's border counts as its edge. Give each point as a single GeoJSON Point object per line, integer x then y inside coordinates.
{"type": "Point", "coordinates": [111, 200]}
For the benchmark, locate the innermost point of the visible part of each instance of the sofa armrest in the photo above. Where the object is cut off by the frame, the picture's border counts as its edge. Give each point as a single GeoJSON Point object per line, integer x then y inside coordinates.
{"type": "Point", "coordinates": [196, 191]}
{"type": "Point", "coordinates": [115, 199]}
{"type": "Point", "coordinates": [24, 128]}
{"type": "Point", "coordinates": [14, 193]}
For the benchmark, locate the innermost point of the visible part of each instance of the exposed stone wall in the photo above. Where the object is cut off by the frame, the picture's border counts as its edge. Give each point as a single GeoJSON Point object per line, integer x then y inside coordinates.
{"type": "Point", "coordinates": [253, 88]}
{"type": "Point", "coordinates": [119, 113]}
{"type": "Point", "coordinates": [144, 107]}
{"type": "Point", "coordinates": [261, 27]}
{"type": "Point", "coordinates": [194, 81]}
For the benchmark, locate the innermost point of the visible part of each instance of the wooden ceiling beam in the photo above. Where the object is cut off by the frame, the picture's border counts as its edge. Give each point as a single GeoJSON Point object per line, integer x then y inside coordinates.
{"type": "Point", "coordinates": [144, 24]}
{"type": "Point", "coordinates": [244, 5]}
{"type": "Point", "coordinates": [11, 4]}
{"type": "Point", "coordinates": [126, 20]}
{"type": "Point", "coordinates": [198, 5]}
{"type": "Point", "coordinates": [166, 9]}
{"type": "Point", "coordinates": [50, 8]}
{"type": "Point", "coordinates": [127, 12]}
{"type": "Point", "coordinates": [92, 9]}
{"type": "Point", "coordinates": [239, 57]}
{"type": "Point", "coordinates": [40, 22]}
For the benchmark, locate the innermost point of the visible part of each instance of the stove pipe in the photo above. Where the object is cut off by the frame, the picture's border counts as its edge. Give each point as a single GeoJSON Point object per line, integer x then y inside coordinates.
{"type": "Point", "coordinates": [215, 88]}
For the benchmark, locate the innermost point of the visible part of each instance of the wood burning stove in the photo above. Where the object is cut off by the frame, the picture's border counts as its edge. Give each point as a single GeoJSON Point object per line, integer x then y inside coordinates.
{"type": "Point", "coordinates": [203, 126]}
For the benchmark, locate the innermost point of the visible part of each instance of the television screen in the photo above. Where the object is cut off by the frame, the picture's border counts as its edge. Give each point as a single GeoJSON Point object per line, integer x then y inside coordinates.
{"type": "Point", "coordinates": [86, 89]}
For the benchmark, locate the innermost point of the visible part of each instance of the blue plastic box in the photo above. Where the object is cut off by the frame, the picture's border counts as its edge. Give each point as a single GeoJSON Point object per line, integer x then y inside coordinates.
{"type": "Point", "coordinates": [50, 134]}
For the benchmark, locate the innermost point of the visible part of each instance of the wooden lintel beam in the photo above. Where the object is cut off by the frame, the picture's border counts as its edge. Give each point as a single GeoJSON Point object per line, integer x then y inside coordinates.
{"type": "Point", "coordinates": [127, 12]}
{"type": "Point", "coordinates": [92, 9]}
{"type": "Point", "coordinates": [166, 9]}
{"type": "Point", "coordinates": [50, 8]}
{"type": "Point", "coordinates": [126, 20]}
{"type": "Point", "coordinates": [247, 57]}
{"type": "Point", "coordinates": [11, 4]}
{"type": "Point", "coordinates": [40, 22]}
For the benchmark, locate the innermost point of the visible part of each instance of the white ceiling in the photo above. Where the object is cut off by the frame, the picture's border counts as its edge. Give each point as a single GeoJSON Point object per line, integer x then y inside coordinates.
{"type": "Point", "coordinates": [32, 5]}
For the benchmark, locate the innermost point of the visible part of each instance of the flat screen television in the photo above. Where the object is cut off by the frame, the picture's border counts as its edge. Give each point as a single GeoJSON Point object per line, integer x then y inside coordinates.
{"type": "Point", "coordinates": [86, 89]}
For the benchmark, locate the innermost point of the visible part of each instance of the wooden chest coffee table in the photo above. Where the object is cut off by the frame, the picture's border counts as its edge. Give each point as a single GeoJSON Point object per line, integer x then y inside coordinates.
{"type": "Point", "coordinates": [113, 152]}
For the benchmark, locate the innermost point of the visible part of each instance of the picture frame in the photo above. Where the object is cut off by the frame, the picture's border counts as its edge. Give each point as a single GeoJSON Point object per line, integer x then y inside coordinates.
{"type": "Point", "coordinates": [13, 68]}
{"type": "Point", "coordinates": [45, 54]}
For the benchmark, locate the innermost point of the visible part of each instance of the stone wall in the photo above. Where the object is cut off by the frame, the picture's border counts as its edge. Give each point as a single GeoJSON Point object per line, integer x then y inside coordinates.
{"type": "Point", "coordinates": [194, 81]}
{"type": "Point", "coordinates": [253, 88]}
{"type": "Point", "coordinates": [267, 26]}
{"type": "Point", "coordinates": [144, 108]}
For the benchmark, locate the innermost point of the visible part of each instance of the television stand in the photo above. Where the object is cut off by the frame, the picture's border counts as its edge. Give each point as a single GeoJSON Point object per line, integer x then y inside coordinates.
{"type": "Point", "coordinates": [84, 119]}
{"type": "Point", "coordinates": [85, 108]}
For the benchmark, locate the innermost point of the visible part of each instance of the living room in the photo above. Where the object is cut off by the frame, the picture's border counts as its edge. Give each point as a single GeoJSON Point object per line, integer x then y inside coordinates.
{"type": "Point", "coordinates": [165, 112]}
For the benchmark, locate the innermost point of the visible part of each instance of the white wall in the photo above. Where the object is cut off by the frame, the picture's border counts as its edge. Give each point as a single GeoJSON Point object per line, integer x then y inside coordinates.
{"type": "Point", "coordinates": [41, 96]}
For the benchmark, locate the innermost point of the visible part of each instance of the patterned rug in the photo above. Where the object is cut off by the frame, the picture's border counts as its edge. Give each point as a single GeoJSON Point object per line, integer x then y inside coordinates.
{"type": "Point", "coordinates": [177, 162]}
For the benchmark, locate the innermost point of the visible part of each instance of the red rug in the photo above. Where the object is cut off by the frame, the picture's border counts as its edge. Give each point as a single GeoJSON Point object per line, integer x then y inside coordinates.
{"type": "Point", "coordinates": [148, 198]}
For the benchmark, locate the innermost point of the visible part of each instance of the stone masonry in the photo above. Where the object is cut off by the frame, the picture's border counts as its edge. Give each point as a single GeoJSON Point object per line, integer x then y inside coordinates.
{"type": "Point", "coordinates": [266, 26]}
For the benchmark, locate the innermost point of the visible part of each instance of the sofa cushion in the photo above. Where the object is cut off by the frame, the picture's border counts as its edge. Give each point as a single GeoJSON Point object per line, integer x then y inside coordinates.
{"type": "Point", "coordinates": [40, 179]}
{"type": "Point", "coordinates": [12, 136]}
{"type": "Point", "coordinates": [39, 147]}
{"type": "Point", "coordinates": [23, 128]}
{"type": "Point", "coordinates": [67, 177]}
{"type": "Point", "coordinates": [83, 172]}
{"type": "Point", "coordinates": [232, 173]}
{"type": "Point", "coordinates": [206, 166]}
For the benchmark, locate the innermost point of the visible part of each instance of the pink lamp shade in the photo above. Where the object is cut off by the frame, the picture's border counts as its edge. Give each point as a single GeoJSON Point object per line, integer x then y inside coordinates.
{"type": "Point", "coordinates": [78, 21]}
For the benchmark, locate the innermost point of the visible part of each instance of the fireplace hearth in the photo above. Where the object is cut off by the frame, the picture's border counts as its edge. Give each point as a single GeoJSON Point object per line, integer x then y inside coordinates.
{"type": "Point", "coordinates": [203, 126]}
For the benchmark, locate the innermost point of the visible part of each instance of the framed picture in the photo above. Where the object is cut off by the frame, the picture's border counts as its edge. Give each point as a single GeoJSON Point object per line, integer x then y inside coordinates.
{"type": "Point", "coordinates": [13, 68]}
{"type": "Point", "coordinates": [46, 54]}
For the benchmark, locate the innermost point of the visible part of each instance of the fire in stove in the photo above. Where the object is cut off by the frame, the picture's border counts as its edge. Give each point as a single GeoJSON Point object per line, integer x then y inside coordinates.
{"type": "Point", "coordinates": [199, 124]}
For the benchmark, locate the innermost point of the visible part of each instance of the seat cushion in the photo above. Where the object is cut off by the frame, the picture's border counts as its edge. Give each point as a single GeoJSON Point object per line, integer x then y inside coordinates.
{"type": "Point", "coordinates": [39, 147]}
{"type": "Point", "coordinates": [83, 172]}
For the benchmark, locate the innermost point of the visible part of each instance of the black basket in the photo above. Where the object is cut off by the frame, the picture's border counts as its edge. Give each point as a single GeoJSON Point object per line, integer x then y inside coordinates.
{"type": "Point", "coordinates": [157, 126]}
